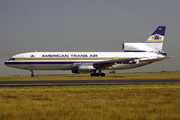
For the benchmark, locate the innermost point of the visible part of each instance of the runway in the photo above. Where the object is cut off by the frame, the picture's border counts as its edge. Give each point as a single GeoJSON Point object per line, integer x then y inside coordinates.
{"type": "Point", "coordinates": [85, 82]}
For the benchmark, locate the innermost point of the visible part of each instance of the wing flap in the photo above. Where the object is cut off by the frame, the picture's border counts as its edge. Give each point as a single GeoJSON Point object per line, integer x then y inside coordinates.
{"type": "Point", "coordinates": [109, 63]}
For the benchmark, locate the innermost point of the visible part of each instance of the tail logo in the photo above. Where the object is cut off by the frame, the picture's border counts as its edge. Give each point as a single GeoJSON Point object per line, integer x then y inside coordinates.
{"type": "Point", "coordinates": [156, 37]}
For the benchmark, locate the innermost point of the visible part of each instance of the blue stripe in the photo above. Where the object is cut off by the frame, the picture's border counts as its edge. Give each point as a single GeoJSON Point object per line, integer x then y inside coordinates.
{"type": "Point", "coordinates": [27, 63]}
{"type": "Point", "coordinates": [159, 52]}
{"type": "Point", "coordinates": [135, 51]}
{"type": "Point", "coordinates": [11, 63]}
{"type": "Point", "coordinates": [162, 53]}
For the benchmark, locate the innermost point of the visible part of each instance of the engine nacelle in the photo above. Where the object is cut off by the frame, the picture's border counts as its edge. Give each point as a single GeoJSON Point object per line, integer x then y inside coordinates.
{"type": "Point", "coordinates": [85, 68]}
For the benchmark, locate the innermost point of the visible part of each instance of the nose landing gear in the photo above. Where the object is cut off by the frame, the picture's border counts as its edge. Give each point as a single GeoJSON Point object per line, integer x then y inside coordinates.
{"type": "Point", "coordinates": [32, 73]}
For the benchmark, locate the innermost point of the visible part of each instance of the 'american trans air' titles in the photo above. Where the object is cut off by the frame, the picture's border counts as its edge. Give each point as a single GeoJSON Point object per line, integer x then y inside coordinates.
{"type": "Point", "coordinates": [133, 55]}
{"type": "Point", "coordinates": [69, 55]}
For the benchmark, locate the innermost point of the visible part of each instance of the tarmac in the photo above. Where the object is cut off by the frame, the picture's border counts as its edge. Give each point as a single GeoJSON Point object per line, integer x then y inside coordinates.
{"type": "Point", "coordinates": [86, 82]}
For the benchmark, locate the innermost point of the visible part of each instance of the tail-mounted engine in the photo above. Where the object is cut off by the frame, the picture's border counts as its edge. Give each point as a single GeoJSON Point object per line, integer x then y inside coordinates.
{"type": "Point", "coordinates": [142, 47]}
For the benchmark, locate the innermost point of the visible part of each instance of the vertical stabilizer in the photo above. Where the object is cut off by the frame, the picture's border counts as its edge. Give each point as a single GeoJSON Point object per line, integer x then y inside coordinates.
{"type": "Point", "coordinates": [158, 35]}
{"type": "Point", "coordinates": [153, 44]}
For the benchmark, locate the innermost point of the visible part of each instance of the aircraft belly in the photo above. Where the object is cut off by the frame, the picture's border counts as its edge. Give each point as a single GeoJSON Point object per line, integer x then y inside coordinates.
{"type": "Point", "coordinates": [52, 67]}
{"type": "Point", "coordinates": [43, 66]}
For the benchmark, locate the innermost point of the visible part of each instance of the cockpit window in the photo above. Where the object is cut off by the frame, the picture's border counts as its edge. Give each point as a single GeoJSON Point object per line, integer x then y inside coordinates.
{"type": "Point", "coordinates": [11, 59]}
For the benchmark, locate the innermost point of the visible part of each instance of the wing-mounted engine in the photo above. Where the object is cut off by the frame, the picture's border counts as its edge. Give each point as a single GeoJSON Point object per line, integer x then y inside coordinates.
{"type": "Point", "coordinates": [83, 68]}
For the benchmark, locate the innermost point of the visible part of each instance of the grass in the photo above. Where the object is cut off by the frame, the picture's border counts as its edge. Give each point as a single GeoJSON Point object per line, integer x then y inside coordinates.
{"type": "Point", "coordinates": [119, 76]}
{"type": "Point", "coordinates": [102, 102]}
{"type": "Point", "coordinates": [114, 102]}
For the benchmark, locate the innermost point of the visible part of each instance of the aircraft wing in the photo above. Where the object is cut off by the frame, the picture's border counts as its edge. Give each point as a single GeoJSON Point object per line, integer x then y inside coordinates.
{"type": "Point", "coordinates": [109, 63]}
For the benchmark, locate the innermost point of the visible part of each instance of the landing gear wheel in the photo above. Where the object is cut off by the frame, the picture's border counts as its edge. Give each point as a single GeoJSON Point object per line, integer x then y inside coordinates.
{"type": "Point", "coordinates": [32, 75]}
{"type": "Point", "coordinates": [102, 74]}
{"type": "Point", "coordinates": [97, 74]}
{"type": "Point", "coordinates": [92, 74]}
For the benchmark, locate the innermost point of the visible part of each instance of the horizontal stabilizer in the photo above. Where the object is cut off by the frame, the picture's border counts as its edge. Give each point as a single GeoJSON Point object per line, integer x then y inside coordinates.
{"type": "Point", "coordinates": [153, 60]}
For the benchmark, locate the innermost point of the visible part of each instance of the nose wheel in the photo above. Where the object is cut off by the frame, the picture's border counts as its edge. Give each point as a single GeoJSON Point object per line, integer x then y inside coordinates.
{"type": "Point", "coordinates": [32, 73]}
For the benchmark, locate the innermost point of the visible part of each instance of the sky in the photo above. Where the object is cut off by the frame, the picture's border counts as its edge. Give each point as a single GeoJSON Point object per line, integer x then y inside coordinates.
{"type": "Point", "coordinates": [86, 26]}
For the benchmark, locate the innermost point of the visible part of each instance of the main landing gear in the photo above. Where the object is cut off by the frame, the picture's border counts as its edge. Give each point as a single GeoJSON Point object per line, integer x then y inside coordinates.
{"type": "Point", "coordinates": [32, 73]}
{"type": "Point", "coordinates": [97, 74]}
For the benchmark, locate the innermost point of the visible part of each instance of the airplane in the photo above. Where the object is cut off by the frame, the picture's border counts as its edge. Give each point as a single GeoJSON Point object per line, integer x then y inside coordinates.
{"type": "Point", "coordinates": [133, 55]}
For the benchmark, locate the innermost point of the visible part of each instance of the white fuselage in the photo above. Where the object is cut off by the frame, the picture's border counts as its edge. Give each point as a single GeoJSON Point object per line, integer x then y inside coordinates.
{"type": "Point", "coordinates": [134, 55]}
{"type": "Point", "coordinates": [66, 60]}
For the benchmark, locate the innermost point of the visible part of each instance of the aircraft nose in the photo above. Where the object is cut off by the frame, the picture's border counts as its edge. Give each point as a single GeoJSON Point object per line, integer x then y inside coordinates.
{"type": "Point", "coordinates": [5, 63]}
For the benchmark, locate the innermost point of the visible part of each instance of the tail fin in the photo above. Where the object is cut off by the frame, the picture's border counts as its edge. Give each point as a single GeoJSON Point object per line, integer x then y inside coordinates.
{"type": "Point", "coordinates": [153, 44]}
{"type": "Point", "coordinates": [158, 35]}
